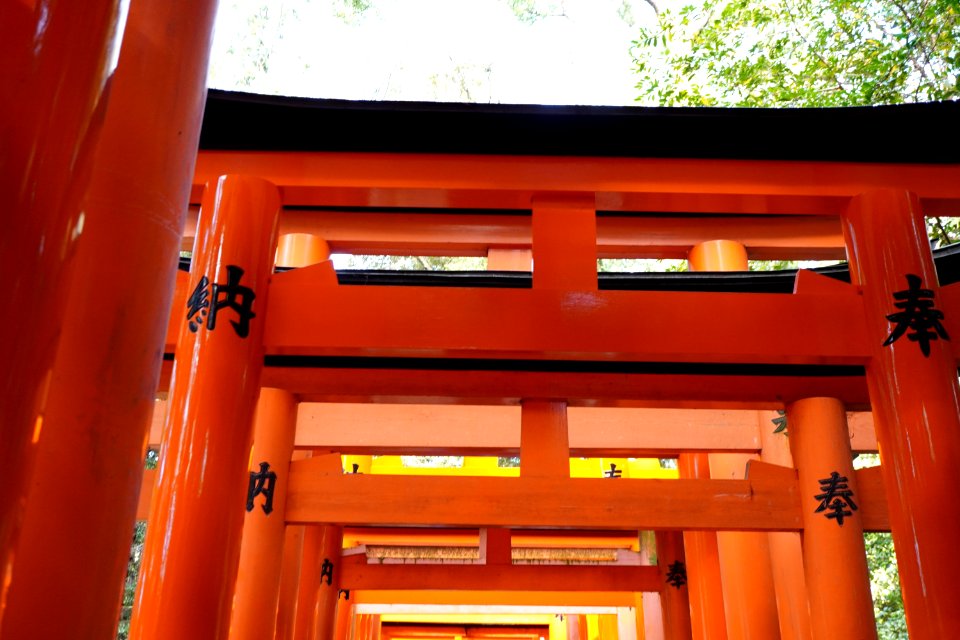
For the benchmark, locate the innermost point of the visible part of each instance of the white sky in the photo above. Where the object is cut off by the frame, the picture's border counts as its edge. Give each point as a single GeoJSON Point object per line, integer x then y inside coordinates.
{"type": "Point", "coordinates": [446, 50]}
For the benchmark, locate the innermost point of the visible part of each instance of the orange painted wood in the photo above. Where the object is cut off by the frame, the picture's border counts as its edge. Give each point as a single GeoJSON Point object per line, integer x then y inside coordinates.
{"type": "Point", "coordinates": [354, 428]}
{"type": "Point", "coordinates": [654, 184]}
{"type": "Point", "coordinates": [544, 445]}
{"type": "Point", "coordinates": [193, 541]}
{"type": "Point", "coordinates": [60, 50]}
{"type": "Point", "coordinates": [146, 493]}
{"type": "Point", "coordinates": [317, 597]}
{"type": "Point", "coordinates": [786, 555]}
{"type": "Point", "coordinates": [704, 587]}
{"type": "Point", "coordinates": [674, 598]}
{"type": "Point", "coordinates": [916, 405]}
{"type": "Point", "coordinates": [289, 582]}
{"type": "Point", "coordinates": [592, 389]}
{"type": "Point", "coordinates": [834, 559]}
{"type": "Point", "coordinates": [509, 259]}
{"type": "Point", "coordinates": [564, 231]}
{"type": "Point", "coordinates": [586, 325]}
{"type": "Point", "coordinates": [519, 538]}
{"type": "Point", "coordinates": [518, 577]}
{"type": "Point", "coordinates": [721, 580]}
{"type": "Point", "coordinates": [750, 606]}
{"type": "Point", "coordinates": [255, 602]}
{"type": "Point", "coordinates": [874, 511]}
{"type": "Point", "coordinates": [554, 598]}
{"type": "Point", "coordinates": [765, 502]}
{"type": "Point", "coordinates": [495, 546]}
{"type": "Point", "coordinates": [90, 458]}
{"type": "Point", "coordinates": [506, 239]}
{"type": "Point", "coordinates": [409, 631]}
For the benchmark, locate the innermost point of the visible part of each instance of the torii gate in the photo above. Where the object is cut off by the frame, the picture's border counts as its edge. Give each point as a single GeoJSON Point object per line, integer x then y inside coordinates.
{"type": "Point", "coordinates": [563, 342]}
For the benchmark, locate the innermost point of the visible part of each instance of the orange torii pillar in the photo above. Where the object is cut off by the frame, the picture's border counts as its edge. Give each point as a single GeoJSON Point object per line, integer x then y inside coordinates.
{"type": "Point", "coordinates": [674, 601]}
{"type": "Point", "coordinates": [319, 578]}
{"type": "Point", "coordinates": [341, 630]}
{"type": "Point", "coordinates": [289, 579]}
{"type": "Point", "coordinates": [745, 566]}
{"type": "Point", "coordinates": [705, 588]}
{"type": "Point", "coordinates": [833, 554]}
{"type": "Point", "coordinates": [90, 461]}
{"type": "Point", "coordinates": [255, 605]}
{"type": "Point", "coordinates": [912, 379]}
{"type": "Point", "coordinates": [254, 612]}
{"type": "Point", "coordinates": [49, 50]}
{"type": "Point", "coordinates": [786, 555]}
{"type": "Point", "coordinates": [192, 548]}
{"type": "Point", "coordinates": [319, 582]}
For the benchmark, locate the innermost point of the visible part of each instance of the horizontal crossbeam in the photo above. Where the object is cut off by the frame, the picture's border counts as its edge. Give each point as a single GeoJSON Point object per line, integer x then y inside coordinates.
{"type": "Point", "coordinates": [417, 429]}
{"type": "Point", "coordinates": [307, 317]}
{"type": "Point", "coordinates": [768, 500]}
{"type": "Point", "coordinates": [621, 184]}
{"type": "Point", "coordinates": [478, 577]}
{"type": "Point", "coordinates": [383, 232]}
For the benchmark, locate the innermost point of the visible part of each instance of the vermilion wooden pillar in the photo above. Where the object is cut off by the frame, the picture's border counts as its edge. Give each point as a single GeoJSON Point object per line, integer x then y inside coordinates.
{"type": "Point", "coordinates": [193, 536]}
{"type": "Point", "coordinates": [833, 554]}
{"type": "Point", "coordinates": [90, 460]}
{"type": "Point", "coordinates": [912, 379]}
{"type": "Point", "coordinates": [256, 604]}
{"type": "Point", "coordinates": [319, 582]}
{"type": "Point", "coordinates": [673, 590]}
{"type": "Point", "coordinates": [709, 594]}
{"type": "Point", "coordinates": [748, 589]}
{"type": "Point", "coordinates": [705, 588]}
{"type": "Point", "coordinates": [254, 613]}
{"type": "Point", "coordinates": [344, 614]}
{"type": "Point", "coordinates": [52, 95]}
{"type": "Point", "coordinates": [289, 580]}
{"type": "Point", "coordinates": [786, 556]}
{"type": "Point", "coordinates": [293, 250]}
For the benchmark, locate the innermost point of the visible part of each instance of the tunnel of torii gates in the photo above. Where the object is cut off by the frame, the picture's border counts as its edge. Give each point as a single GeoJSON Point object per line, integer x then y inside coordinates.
{"type": "Point", "coordinates": [282, 393]}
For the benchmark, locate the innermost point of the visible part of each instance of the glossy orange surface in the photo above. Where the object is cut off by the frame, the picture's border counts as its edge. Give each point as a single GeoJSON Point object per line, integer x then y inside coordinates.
{"type": "Point", "coordinates": [108, 361]}
{"type": "Point", "coordinates": [786, 555]}
{"type": "Point", "coordinates": [256, 604]}
{"type": "Point", "coordinates": [496, 236]}
{"type": "Point", "coordinates": [812, 328]}
{"type": "Point", "coordinates": [254, 612]}
{"type": "Point", "coordinates": [916, 404]}
{"type": "Point", "coordinates": [52, 96]}
{"type": "Point", "coordinates": [289, 582]}
{"type": "Point", "coordinates": [564, 235]}
{"type": "Point", "coordinates": [833, 555]}
{"type": "Point", "coordinates": [320, 576]}
{"type": "Point", "coordinates": [746, 568]}
{"type": "Point", "coordinates": [193, 545]}
{"type": "Point", "coordinates": [674, 596]}
{"type": "Point", "coordinates": [544, 443]}
{"type": "Point", "coordinates": [618, 184]}
{"type": "Point", "coordinates": [704, 586]}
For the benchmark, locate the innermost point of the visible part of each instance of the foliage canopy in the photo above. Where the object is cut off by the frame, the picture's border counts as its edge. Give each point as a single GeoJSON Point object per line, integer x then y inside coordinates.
{"type": "Point", "coordinates": [795, 53]}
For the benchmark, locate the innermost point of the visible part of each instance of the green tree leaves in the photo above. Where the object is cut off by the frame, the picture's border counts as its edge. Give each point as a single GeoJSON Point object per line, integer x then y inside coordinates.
{"type": "Point", "coordinates": [794, 53]}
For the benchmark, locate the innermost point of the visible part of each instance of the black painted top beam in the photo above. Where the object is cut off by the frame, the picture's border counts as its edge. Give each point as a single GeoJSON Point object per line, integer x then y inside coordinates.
{"type": "Point", "coordinates": [909, 133]}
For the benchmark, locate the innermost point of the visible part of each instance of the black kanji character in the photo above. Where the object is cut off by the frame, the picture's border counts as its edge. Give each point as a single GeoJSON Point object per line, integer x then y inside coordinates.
{"type": "Point", "coordinates": [677, 574]}
{"type": "Point", "coordinates": [261, 482]}
{"type": "Point", "coordinates": [917, 315]}
{"type": "Point", "coordinates": [198, 303]}
{"type": "Point", "coordinates": [326, 571]}
{"type": "Point", "coordinates": [836, 499]}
